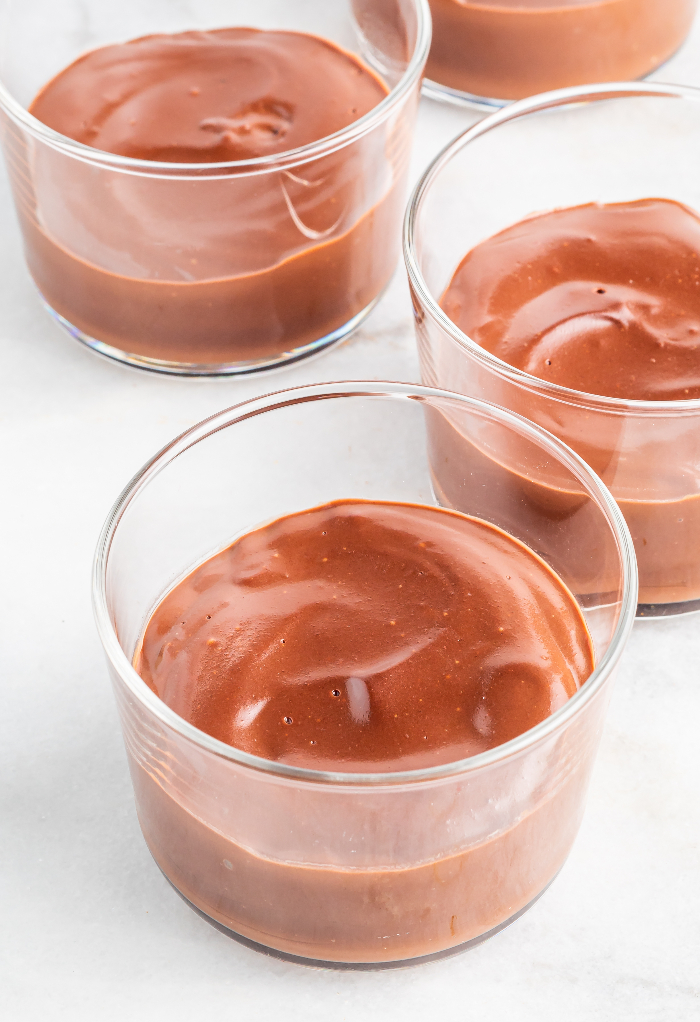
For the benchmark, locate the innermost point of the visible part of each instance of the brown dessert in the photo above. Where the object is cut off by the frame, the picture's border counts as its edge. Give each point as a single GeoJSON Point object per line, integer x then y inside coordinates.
{"type": "Point", "coordinates": [208, 97]}
{"type": "Point", "coordinates": [241, 267]}
{"type": "Point", "coordinates": [375, 914]}
{"type": "Point", "coordinates": [603, 299]}
{"type": "Point", "coordinates": [664, 531]}
{"type": "Point", "coordinates": [508, 49]}
{"type": "Point", "coordinates": [366, 636]}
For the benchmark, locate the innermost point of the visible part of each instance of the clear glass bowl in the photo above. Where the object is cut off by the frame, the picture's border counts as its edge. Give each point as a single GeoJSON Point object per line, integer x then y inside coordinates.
{"type": "Point", "coordinates": [349, 869]}
{"type": "Point", "coordinates": [602, 143]}
{"type": "Point", "coordinates": [486, 53]}
{"type": "Point", "coordinates": [159, 264]}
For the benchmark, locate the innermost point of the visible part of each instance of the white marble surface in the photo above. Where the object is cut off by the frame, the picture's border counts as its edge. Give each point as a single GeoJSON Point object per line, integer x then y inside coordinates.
{"type": "Point", "coordinates": [90, 929]}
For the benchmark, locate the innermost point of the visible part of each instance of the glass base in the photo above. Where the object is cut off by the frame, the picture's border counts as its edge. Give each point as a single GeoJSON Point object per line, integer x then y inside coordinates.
{"type": "Point", "coordinates": [445, 94]}
{"type": "Point", "coordinates": [155, 365]}
{"type": "Point", "coordinates": [649, 610]}
{"type": "Point", "coordinates": [314, 963]}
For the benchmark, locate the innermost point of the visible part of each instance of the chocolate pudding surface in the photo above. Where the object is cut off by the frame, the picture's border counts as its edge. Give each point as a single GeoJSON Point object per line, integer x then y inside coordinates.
{"type": "Point", "coordinates": [603, 299]}
{"type": "Point", "coordinates": [238, 268]}
{"type": "Point", "coordinates": [218, 96]}
{"type": "Point", "coordinates": [509, 49]}
{"type": "Point", "coordinates": [368, 636]}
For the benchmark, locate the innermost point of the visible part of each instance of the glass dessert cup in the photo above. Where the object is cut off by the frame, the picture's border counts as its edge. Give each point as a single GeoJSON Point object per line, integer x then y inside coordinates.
{"type": "Point", "coordinates": [350, 869]}
{"type": "Point", "coordinates": [486, 53]}
{"type": "Point", "coordinates": [603, 143]}
{"type": "Point", "coordinates": [158, 264]}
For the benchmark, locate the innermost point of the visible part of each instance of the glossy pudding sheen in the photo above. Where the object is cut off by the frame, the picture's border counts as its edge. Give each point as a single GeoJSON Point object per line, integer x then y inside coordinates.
{"type": "Point", "coordinates": [369, 637]}
{"type": "Point", "coordinates": [605, 300]}
{"type": "Point", "coordinates": [363, 636]}
{"type": "Point", "coordinates": [241, 268]}
{"type": "Point", "coordinates": [208, 97]}
{"type": "Point", "coordinates": [508, 49]}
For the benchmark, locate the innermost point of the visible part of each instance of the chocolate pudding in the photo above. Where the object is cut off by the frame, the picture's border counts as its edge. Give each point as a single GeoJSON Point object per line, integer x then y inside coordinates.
{"type": "Point", "coordinates": [605, 300]}
{"type": "Point", "coordinates": [467, 640]}
{"type": "Point", "coordinates": [508, 49]}
{"type": "Point", "coordinates": [367, 636]}
{"type": "Point", "coordinates": [355, 914]}
{"type": "Point", "coordinates": [207, 267]}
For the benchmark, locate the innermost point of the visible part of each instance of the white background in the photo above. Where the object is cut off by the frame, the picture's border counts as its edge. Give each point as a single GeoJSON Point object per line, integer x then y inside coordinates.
{"type": "Point", "coordinates": [89, 929]}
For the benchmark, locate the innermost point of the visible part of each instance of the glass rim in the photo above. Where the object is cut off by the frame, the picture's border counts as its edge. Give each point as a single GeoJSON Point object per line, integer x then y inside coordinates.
{"type": "Point", "coordinates": [260, 164]}
{"type": "Point", "coordinates": [315, 392]}
{"type": "Point", "coordinates": [575, 95]}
